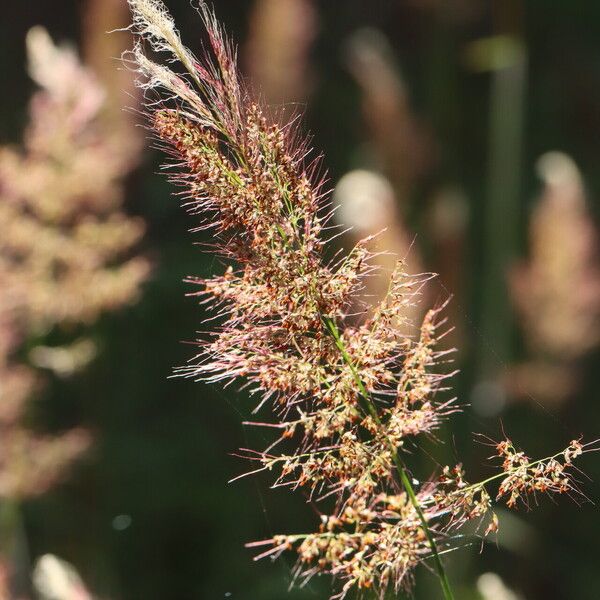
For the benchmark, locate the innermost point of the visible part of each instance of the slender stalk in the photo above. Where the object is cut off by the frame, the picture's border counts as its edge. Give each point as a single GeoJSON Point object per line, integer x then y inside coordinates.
{"type": "Point", "coordinates": [399, 464]}
{"type": "Point", "coordinates": [509, 78]}
{"type": "Point", "coordinates": [13, 546]}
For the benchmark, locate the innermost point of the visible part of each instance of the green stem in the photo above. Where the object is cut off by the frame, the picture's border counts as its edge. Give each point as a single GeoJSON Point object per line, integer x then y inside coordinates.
{"type": "Point", "coordinates": [13, 546]}
{"type": "Point", "coordinates": [508, 63]}
{"type": "Point", "coordinates": [399, 464]}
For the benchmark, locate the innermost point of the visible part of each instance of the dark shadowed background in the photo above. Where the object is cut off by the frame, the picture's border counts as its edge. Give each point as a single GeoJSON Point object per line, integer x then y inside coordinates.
{"type": "Point", "coordinates": [486, 89]}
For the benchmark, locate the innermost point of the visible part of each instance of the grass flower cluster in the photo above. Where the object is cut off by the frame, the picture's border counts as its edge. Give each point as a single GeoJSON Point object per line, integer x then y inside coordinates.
{"type": "Point", "coordinates": [65, 258]}
{"type": "Point", "coordinates": [349, 398]}
{"type": "Point", "coordinates": [65, 237]}
{"type": "Point", "coordinates": [560, 328]}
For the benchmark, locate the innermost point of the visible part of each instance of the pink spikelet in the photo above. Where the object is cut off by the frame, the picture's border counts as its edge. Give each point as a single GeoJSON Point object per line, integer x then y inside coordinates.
{"type": "Point", "coordinates": [347, 397]}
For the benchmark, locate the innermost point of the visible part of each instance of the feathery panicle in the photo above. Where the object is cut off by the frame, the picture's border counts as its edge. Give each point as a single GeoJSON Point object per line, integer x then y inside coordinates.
{"type": "Point", "coordinates": [63, 260]}
{"type": "Point", "coordinates": [564, 258]}
{"type": "Point", "coordinates": [64, 234]}
{"type": "Point", "coordinates": [347, 397]}
{"type": "Point", "coordinates": [63, 240]}
{"type": "Point", "coordinates": [557, 290]}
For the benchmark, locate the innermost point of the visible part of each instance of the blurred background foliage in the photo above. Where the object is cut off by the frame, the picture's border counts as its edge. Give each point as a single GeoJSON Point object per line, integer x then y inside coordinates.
{"type": "Point", "coordinates": [444, 109]}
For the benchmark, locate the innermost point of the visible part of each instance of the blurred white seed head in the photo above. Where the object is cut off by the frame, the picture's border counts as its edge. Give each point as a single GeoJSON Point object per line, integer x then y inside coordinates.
{"type": "Point", "coordinates": [562, 179]}
{"type": "Point", "coordinates": [57, 70]}
{"type": "Point", "coordinates": [44, 56]}
{"type": "Point", "coordinates": [557, 169]}
{"type": "Point", "coordinates": [56, 579]}
{"type": "Point", "coordinates": [491, 587]}
{"type": "Point", "coordinates": [365, 201]}
{"type": "Point", "coordinates": [64, 361]}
